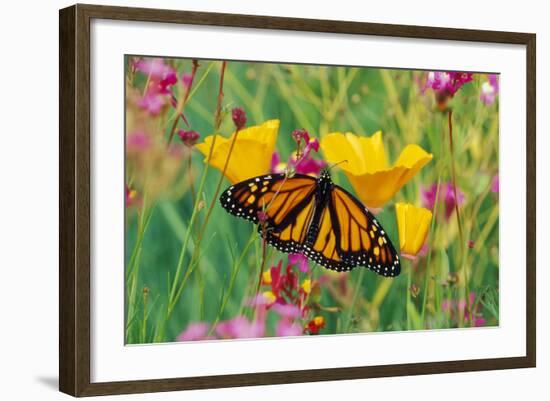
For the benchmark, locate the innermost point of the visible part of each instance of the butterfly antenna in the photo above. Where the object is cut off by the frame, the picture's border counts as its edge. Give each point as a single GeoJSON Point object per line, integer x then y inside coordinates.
{"type": "Point", "coordinates": [336, 164]}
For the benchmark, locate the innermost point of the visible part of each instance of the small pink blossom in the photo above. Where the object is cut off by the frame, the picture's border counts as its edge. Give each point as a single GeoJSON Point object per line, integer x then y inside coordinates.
{"type": "Point", "coordinates": [194, 332]}
{"type": "Point", "coordinates": [300, 260]}
{"type": "Point", "coordinates": [287, 310]}
{"type": "Point", "coordinates": [447, 82]}
{"type": "Point", "coordinates": [286, 328]}
{"type": "Point", "coordinates": [137, 141]}
{"type": "Point", "coordinates": [187, 80]}
{"type": "Point", "coordinates": [152, 102]}
{"type": "Point", "coordinates": [240, 327]}
{"type": "Point", "coordinates": [489, 89]}
{"type": "Point", "coordinates": [495, 185]}
{"type": "Point", "coordinates": [238, 116]}
{"type": "Point", "coordinates": [461, 306]}
{"type": "Point", "coordinates": [189, 138]}
{"type": "Point", "coordinates": [446, 195]}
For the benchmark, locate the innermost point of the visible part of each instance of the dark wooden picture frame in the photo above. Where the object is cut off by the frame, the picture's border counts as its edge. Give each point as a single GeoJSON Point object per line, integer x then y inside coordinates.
{"type": "Point", "coordinates": [74, 199]}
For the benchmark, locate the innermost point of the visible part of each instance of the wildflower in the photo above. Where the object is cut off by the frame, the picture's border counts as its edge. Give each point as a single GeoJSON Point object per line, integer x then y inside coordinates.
{"type": "Point", "coordinates": [137, 141]}
{"type": "Point", "coordinates": [194, 332]}
{"type": "Point", "coordinates": [251, 153]}
{"type": "Point", "coordinates": [238, 116]}
{"type": "Point", "coordinates": [300, 260]}
{"type": "Point", "coordinates": [446, 195]}
{"type": "Point", "coordinates": [489, 90]}
{"type": "Point", "coordinates": [471, 243]}
{"type": "Point", "coordinates": [300, 136]}
{"type": "Point", "coordinates": [152, 102]}
{"type": "Point", "coordinates": [445, 85]}
{"type": "Point", "coordinates": [160, 79]}
{"type": "Point", "coordinates": [266, 277]}
{"type": "Point", "coordinates": [413, 225]}
{"type": "Point", "coordinates": [287, 310]}
{"type": "Point", "coordinates": [189, 138]}
{"type": "Point", "coordinates": [240, 327]}
{"type": "Point", "coordinates": [316, 324]}
{"type": "Point", "coordinates": [306, 286]}
{"type": "Point", "coordinates": [495, 185]}
{"type": "Point", "coordinates": [132, 197]}
{"type": "Point", "coordinates": [374, 181]}
{"type": "Point", "coordinates": [269, 297]}
{"type": "Point", "coordinates": [449, 82]}
{"type": "Point", "coordinates": [455, 308]}
{"type": "Point", "coordinates": [286, 327]}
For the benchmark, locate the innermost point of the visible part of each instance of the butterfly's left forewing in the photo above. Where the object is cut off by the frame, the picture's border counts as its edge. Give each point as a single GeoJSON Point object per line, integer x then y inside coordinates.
{"type": "Point", "coordinates": [362, 240]}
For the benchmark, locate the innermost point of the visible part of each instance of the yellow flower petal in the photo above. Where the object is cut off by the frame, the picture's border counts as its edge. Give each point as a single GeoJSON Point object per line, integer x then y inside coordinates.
{"type": "Point", "coordinates": [269, 296]}
{"type": "Point", "coordinates": [413, 225]}
{"type": "Point", "coordinates": [306, 286]}
{"type": "Point", "coordinates": [266, 277]}
{"type": "Point", "coordinates": [251, 154]}
{"type": "Point", "coordinates": [319, 320]}
{"type": "Point", "coordinates": [375, 182]}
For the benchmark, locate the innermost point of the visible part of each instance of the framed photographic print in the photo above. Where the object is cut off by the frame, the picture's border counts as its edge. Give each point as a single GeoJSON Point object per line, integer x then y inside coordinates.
{"type": "Point", "coordinates": [251, 200]}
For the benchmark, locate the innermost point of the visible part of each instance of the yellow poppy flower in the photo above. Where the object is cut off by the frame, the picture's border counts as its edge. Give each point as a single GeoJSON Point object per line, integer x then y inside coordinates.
{"type": "Point", "coordinates": [374, 181]}
{"type": "Point", "coordinates": [413, 224]}
{"type": "Point", "coordinates": [251, 154]}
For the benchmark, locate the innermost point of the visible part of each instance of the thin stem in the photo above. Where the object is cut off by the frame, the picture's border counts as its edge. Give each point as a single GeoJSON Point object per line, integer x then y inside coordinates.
{"type": "Point", "coordinates": [458, 220]}
{"type": "Point", "coordinates": [181, 106]}
{"type": "Point", "coordinates": [354, 298]}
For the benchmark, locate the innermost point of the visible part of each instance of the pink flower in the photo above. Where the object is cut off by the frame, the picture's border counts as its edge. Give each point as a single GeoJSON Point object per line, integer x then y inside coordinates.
{"type": "Point", "coordinates": [153, 67]}
{"type": "Point", "coordinates": [305, 165]}
{"type": "Point", "coordinates": [300, 260]}
{"type": "Point", "coordinates": [152, 102]}
{"type": "Point", "coordinates": [446, 195]}
{"type": "Point", "coordinates": [137, 141]}
{"type": "Point", "coordinates": [286, 327]}
{"type": "Point", "coordinates": [287, 310]}
{"type": "Point", "coordinates": [489, 90]}
{"type": "Point", "coordinates": [447, 82]}
{"type": "Point", "coordinates": [132, 197]}
{"type": "Point", "coordinates": [194, 332]}
{"type": "Point", "coordinates": [240, 327]}
{"type": "Point", "coordinates": [238, 116]}
{"type": "Point", "coordinates": [461, 306]}
{"type": "Point", "coordinates": [189, 138]}
{"type": "Point", "coordinates": [495, 185]}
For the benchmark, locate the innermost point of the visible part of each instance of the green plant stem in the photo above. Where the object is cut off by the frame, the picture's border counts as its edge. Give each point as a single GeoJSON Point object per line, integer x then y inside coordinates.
{"type": "Point", "coordinates": [354, 298]}
{"type": "Point", "coordinates": [458, 220]}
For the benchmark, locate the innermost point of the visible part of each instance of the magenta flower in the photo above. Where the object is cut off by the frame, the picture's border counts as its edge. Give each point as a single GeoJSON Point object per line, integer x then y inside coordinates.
{"type": "Point", "coordinates": [305, 165]}
{"type": "Point", "coordinates": [189, 138]}
{"type": "Point", "coordinates": [132, 197]}
{"type": "Point", "coordinates": [455, 307]}
{"type": "Point", "coordinates": [286, 327]}
{"type": "Point", "coordinates": [446, 195]}
{"type": "Point", "coordinates": [289, 311]}
{"type": "Point", "coordinates": [447, 83]}
{"type": "Point", "coordinates": [495, 185]}
{"type": "Point", "coordinates": [194, 332]}
{"type": "Point", "coordinates": [240, 327]}
{"type": "Point", "coordinates": [238, 115]}
{"type": "Point", "coordinates": [300, 260]}
{"type": "Point", "coordinates": [489, 90]}
{"type": "Point", "coordinates": [152, 102]}
{"type": "Point", "coordinates": [137, 141]}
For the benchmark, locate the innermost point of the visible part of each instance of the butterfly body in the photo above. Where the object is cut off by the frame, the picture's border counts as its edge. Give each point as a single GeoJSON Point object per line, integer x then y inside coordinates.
{"type": "Point", "coordinates": [316, 218]}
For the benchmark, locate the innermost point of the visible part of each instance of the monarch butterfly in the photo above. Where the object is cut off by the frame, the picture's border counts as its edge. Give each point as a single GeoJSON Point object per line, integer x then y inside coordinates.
{"type": "Point", "coordinates": [314, 217]}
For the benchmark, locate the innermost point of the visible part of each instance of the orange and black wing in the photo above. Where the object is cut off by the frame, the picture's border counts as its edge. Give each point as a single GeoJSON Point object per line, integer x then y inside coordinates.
{"type": "Point", "coordinates": [360, 239]}
{"type": "Point", "coordinates": [287, 202]}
